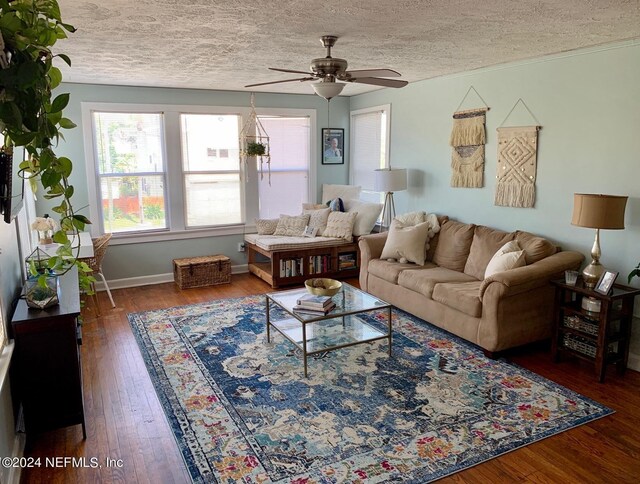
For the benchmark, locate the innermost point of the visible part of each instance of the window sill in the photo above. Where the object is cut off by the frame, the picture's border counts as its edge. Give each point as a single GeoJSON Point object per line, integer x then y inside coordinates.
{"type": "Point", "coordinates": [142, 238]}
{"type": "Point", "coordinates": [5, 360]}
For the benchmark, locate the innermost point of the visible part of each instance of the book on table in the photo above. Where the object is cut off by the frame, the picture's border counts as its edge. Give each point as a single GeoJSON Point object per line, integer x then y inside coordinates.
{"type": "Point", "coordinates": [303, 309]}
{"type": "Point", "coordinates": [314, 302]}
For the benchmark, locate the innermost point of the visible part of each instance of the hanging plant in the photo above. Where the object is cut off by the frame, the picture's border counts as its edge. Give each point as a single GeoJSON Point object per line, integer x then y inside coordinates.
{"type": "Point", "coordinates": [256, 149]}
{"type": "Point", "coordinates": [29, 116]}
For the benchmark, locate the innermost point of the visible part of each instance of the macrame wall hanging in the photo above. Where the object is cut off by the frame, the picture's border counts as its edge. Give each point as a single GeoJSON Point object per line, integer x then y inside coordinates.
{"type": "Point", "coordinates": [254, 143]}
{"type": "Point", "coordinates": [517, 163]}
{"type": "Point", "coordinates": [467, 141]}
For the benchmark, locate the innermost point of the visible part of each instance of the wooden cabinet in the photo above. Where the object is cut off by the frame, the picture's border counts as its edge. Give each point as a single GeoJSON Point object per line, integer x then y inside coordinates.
{"type": "Point", "coordinates": [46, 368]}
{"type": "Point", "coordinates": [601, 338]}
{"type": "Point", "coordinates": [294, 266]}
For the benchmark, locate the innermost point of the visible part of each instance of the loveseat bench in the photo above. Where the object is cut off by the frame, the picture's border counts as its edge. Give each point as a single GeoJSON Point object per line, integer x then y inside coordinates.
{"type": "Point", "coordinates": [505, 310]}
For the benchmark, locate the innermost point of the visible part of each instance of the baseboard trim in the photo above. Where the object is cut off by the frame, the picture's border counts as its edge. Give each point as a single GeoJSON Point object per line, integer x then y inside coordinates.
{"type": "Point", "coordinates": [154, 279]}
{"type": "Point", "coordinates": [13, 476]}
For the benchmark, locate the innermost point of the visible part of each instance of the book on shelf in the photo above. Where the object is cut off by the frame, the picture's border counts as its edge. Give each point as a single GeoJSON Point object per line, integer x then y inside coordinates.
{"type": "Point", "coordinates": [317, 311]}
{"type": "Point", "coordinates": [313, 301]}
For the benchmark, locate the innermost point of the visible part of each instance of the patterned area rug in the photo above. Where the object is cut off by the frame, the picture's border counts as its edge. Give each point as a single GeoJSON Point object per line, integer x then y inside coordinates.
{"type": "Point", "coordinates": [241, 410]}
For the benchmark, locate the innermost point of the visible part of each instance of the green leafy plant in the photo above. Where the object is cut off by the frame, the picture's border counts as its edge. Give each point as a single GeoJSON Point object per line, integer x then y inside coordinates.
{"type": "Point", "coordinates": [256, 149]}
{"type": "Point", "coordinates": [634, 273]}
{"type": "Point", "coordinates": [31, 117]}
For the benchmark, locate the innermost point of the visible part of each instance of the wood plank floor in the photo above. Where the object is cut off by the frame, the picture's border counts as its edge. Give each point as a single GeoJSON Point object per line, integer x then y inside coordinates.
{"type": "Point", "coordinates": [125, 420]}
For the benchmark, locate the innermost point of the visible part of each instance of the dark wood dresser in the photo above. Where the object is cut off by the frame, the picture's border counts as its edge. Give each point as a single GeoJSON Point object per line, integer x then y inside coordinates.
{"type": "Point", "coordinates": [46, 368]}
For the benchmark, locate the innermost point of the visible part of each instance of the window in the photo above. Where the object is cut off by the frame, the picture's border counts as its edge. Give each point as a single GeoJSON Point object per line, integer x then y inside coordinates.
{"type": "Point", "coordinates": [369, 148]}
{"type": "Point", "coordinates": [289, 146]}
{"type": "Point", "coordinates": [165, 172]}
{"type": "Point", "coordinates": [211, 167]}
{"type": "Point", "coordinates": [130, 164]}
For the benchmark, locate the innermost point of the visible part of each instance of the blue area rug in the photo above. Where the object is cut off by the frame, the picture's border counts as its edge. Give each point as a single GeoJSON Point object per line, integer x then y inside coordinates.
{"type": "Point", "coordinates": [241, 410]}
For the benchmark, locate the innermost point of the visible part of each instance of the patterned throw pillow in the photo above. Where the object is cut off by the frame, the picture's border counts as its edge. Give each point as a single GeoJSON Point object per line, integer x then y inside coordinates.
{"type": "Point", "coordinates": [318, 219]}
{"type": "Point", "coordinates": [291, 226]}
{"type": "Point", "coordinates": [406, 243]}
{"type": "Point", "coordinates": [340, 225]}
{"type": "Point", "coordinates": [266, 226]}
{"type": "Point", "coordinates": [411, 218]}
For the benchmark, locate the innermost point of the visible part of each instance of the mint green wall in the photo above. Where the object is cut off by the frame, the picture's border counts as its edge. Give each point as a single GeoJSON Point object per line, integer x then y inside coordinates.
{"type": "Point", "coordinates": [155, 257]}
{"type": "Point", "coordinates": [588, 103]}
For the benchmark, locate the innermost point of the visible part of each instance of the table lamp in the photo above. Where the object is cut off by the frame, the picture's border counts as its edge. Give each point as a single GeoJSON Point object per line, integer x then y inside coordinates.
{"type": "Point", "coordinates": [389, 180]}
{"type": "Point", "coordinates": [597, 212]}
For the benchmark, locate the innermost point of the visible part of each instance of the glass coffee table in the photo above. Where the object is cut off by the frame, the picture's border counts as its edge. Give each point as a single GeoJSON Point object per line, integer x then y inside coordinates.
{"type": "Point", "coordinates": [340, 328]}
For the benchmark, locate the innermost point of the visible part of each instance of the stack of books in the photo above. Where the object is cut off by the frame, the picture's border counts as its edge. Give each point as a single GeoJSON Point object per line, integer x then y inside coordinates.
{"type": "Point", "coordinates": [316, 305]}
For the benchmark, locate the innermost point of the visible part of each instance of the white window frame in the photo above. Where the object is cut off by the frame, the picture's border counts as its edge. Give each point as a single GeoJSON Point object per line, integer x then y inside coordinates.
{"type": "Point", "coordinates": [174, 176]}
{"type": "Point", "coordinates": [386, 108]}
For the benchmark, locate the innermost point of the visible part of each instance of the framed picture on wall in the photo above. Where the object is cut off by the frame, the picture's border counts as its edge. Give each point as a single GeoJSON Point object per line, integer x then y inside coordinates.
{"type": "Point", "coordinates": [332, 146]}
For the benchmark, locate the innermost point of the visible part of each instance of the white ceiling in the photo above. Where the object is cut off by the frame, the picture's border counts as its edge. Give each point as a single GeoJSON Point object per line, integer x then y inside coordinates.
{"type": "Point", "coordinates": [225, 44]}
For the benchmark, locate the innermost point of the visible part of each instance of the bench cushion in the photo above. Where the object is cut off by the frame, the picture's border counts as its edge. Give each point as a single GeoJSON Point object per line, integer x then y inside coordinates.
{"type": "Point", "coordinates": [274, 242]}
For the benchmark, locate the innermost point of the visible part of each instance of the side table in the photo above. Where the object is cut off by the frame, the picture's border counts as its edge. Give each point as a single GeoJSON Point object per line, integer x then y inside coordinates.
{"type": "Point", "coordinates": [601, 338]}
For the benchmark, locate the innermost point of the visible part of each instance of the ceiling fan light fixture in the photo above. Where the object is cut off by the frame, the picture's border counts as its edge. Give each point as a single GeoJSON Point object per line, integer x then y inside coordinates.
{"type": "Point", "coordinates": [328, 90]}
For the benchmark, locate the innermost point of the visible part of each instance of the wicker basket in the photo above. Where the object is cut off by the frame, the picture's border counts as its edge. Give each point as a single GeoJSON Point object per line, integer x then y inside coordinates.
{"type": "Point", "coordinates": [581, 345]}
{"type": "Point", "coordinates": [577, 323]}
{"type": "Point", "coordinates": [201, 271]}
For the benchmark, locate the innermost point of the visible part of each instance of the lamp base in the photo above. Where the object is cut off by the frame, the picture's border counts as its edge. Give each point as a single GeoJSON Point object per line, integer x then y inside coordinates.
{"type": "Point", "coordinates": [592, 273]}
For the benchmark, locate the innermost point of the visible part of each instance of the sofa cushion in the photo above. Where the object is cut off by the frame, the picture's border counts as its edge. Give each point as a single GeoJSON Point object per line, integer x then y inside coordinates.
{"type": "Point", "coordinates": [535, 248]}
{"type": "Point", "coordinates": [454, 242]}
{"type": "Point", "coordinates": [462, 296]}
{"type": "Point", "coordinates": [389, 271]}
{"type": "Point", "coordinates": [486, 242]}
{"type": "Point", "coordinates": [406, 242]}
{"type": "Point", "coordinates": [423, 281]}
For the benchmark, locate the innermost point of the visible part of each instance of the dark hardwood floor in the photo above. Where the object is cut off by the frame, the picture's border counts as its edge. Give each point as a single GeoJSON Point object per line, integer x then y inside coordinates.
{"type": "Point", "coordinates": [125, 420]}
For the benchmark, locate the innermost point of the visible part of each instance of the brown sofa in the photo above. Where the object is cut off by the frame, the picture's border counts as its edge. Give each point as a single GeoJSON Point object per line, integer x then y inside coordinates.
{"type": "Point", "coordinates": [507, 309]}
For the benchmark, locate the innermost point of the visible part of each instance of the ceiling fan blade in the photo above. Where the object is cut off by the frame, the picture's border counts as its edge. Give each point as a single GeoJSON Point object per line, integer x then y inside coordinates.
{"type": "Point", "coordinates": [301, 79]}
{"type": "Point", "coordinates": [376, 81]}
{"type": "Point", "coordinates": [289, 70]}
{"type": "Point", "coordinates": [373, 73]}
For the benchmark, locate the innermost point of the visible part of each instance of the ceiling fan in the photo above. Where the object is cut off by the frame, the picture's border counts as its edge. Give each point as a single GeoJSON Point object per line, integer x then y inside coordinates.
{"type": "Point", "coordinates": [327, 70]}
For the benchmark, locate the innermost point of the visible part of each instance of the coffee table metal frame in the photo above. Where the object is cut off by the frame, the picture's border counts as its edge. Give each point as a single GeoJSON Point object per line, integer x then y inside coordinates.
{"type": "Point", "coordinates": [339, 312]}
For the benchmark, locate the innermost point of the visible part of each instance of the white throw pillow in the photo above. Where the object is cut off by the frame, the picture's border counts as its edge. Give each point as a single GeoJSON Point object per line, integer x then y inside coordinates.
{"type": "Point", "coordinates": [266, 226]}
{"type": "Point", "coordinates": [291, 226]}
{"type": "Point", "coordinates": [318, 219]}
{"type": "Point", "coordinates": [368, 213]}
{"type": "Point", "coordinates": [346, 192]}
{"type": "Point", "coordinates": [340, 224]}
{"type": "Point", "coordinates": [406, 242]}
{"type": "Point", "coordinates": [509, 256]}
{"type": "Point", "coordinates": [411, 218]}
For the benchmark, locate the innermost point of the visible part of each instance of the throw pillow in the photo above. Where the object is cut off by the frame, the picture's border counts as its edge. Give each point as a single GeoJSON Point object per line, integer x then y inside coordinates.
{"type": "Point", "coordinates": [336, 205]}
{"type": "Point", "coordinates": [406, 243]}
{"type": "Point", "coordinates": [411, 218]}
{"type": "Point", "coordinates": [313, 206]}
{"type": "Point", "coordinates": [329, 192]}
{"type": "Point", "coordinates": [368, 213]}
{"type": "Point", "coordinates": [340, 225]}
{"type": "Point", "coordinates": [509, 256]}
{"type": "Point", "coordinates": [318, 219]}
{"type": "Point", "coordinates": [291, 226]}
{"type": "Point", "coordinates": [266, 226]}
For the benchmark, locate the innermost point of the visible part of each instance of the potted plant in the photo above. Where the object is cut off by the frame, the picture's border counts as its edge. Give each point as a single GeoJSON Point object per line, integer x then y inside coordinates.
{"type": "Point", "coordinates": [31, 117]}
{"type": "Point", "coordinates": [255, 148]}
{"type": "Point", "coordinates": [634, 273]}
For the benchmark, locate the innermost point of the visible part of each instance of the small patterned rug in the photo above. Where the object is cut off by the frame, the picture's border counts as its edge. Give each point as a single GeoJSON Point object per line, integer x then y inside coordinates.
{"type": "Point", "coordinates": [241, 410]}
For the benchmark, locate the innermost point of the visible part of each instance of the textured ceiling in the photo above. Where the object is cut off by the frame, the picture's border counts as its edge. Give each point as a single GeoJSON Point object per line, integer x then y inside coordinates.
{"type": "Point", "coordinates": [225, 44]}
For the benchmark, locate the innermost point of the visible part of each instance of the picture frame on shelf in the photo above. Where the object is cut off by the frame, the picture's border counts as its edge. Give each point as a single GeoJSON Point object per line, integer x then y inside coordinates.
{"type": "Point", "coordinates": [332, 146]}
{"type": "Point", "coordinates": [605, 284]}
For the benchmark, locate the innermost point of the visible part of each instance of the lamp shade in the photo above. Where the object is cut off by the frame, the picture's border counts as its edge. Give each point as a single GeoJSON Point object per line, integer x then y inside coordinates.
{"type": "Point", "coordinates": [327, 90]}
{"type": "Point", "coordinates": [598, 211]}
{"type": "Point", "coordinates": [390, 180]}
